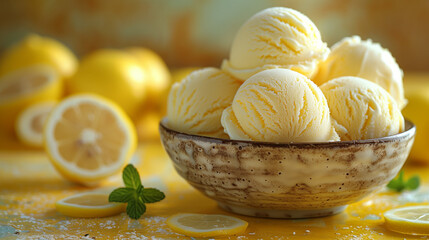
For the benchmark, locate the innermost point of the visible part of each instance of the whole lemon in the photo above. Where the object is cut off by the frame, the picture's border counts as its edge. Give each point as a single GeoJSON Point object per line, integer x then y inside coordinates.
{"type": "Point", "coordinates": [157, 78]}
{"type": "Point", "coordinates": [26, 86]}
{"type": "Point", "coordinates": [35, 49]}
{"type": "Point", "coordinates": [113, 74]}
{"type": "Point", "coordinates": [417, 93]}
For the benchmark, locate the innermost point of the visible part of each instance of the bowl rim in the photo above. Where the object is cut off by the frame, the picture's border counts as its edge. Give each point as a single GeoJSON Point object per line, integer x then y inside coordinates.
{"type": "Point", "coordinates": [409, 132]}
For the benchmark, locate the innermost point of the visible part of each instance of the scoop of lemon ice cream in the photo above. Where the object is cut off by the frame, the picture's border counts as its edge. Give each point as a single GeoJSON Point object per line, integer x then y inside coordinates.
{"type": "Point", "coordinates": [365, 59]}
{"type": "Point", "coordinates": [276, 38]}
{"type": "Point", "coordinates": [362, 109]}
{"type": "Point", "coordinates": [195, 104]}
{"type": "Point", "coordinates": [279, 105]}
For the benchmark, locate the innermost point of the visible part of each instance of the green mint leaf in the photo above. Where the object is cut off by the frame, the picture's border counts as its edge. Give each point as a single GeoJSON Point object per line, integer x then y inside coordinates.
{"type": "Point", "coordinates": [131, 177]}
{"type": "Point", "coordinates": [399, 184]}
{"type": "Point", "coordinates": [401, 176]}
{"type": "Point", "coordinates": [136, 208]}
{"type": "Point", "coordinates": [122, 195]}
{"type": "Point", "coordinates": [413, 183]}
{"type": "Point", "coordinates": [134, 193]}
{"type": "Point", "coordinates": [395, 185]}
{"type": "Point", "coordinates": [139, 190]}
{"type": "Point", "coordinates": [151, 195]}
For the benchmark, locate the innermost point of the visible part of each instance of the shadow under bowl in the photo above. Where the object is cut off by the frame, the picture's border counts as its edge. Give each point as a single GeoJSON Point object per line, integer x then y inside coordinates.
{"type": "Point", "coordinates": [286, 180]}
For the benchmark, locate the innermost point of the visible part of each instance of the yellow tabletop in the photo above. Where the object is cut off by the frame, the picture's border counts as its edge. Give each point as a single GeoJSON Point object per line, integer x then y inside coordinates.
{"type": "Point", "coordinates": [30, 186]}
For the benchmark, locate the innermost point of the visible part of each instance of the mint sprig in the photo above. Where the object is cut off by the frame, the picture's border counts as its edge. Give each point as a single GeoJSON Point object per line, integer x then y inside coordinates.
{"type": "Point", "coordinates": [134, 193]}
{"type": "Point", "coordinates": [399, 184]}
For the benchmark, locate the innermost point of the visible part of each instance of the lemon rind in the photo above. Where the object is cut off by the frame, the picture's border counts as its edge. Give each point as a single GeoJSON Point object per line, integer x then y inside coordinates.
{"type": "Point", "coordinates": [237, 228]}
{"type": "Point", "coordinates": [69, 170]}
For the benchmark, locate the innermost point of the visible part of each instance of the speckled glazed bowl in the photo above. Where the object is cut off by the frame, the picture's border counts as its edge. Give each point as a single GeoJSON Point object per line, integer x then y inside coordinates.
{"type": "Point", "coordinates": [296, 180]}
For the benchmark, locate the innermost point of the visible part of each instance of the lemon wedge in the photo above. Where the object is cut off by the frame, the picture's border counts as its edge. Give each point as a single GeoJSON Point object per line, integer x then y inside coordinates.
{"type": "Point", "coordinates": [408, 220]}
{"type": "Point", "coordinates": [89, 138]}
{"type": "Point", "coordinates": [90, 204]}
{"type": "Point", "coordinates": [30, 122]}
{"type": "Point", "coordinates": [24, 87]}
{"type": "Point", "coordinates": [206, 225]}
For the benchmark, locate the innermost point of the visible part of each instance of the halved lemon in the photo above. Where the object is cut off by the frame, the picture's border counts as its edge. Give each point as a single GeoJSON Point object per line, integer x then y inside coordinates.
{"type": "Point", "coordinates": [408, 220]}
{"type": "Point", "coordinates": [30, 122]}
{"type": "Point", "coordinates": [89, 138]}
{"type": "Point", "coordinates": [25, 87]}
{"type": "Point", "coordinates": [87, 205]}
{"type": "Point", "coordinates": [206, 225]}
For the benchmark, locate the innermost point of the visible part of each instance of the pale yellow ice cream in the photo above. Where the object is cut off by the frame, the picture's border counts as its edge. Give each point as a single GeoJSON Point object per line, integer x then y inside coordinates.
{"type": "Point", "coordinates": [362, 109]}
{"type": "Point", "coordinates": [279, 105]}
{"type": "Point", "coordinates": [196, 103]}
{"type": "Point", "coordinates": [276, 38]}
{"type": "Point", "coordinates": [354, 57]}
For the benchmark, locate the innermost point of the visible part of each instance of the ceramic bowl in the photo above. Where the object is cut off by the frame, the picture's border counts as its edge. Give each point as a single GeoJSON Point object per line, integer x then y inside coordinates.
{"type": "Point", "coordinates": [295, 180]}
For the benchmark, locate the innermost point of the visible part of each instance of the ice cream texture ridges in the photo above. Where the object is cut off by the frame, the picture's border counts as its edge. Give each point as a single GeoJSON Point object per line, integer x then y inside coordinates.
{"type": "Point", "coordinates": [365, 59]}
{"type": "Point", "coordinates": [196, 103]}
{"type": "Point", "coordinates": [279, 105]}
{"type": "Point", "coordinates": [362, 109]}
{"type": "Point", "coordinates": [276, 38]}
{"type": "Point", "coordinates": [283, 84]}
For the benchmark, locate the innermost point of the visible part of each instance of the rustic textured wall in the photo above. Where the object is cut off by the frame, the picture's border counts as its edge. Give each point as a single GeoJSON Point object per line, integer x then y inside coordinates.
{"type": "Point", "coordinates": [199, 32]}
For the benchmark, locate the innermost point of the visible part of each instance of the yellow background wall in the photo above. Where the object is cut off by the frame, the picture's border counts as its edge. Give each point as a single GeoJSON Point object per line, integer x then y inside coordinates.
{"type": "Point", "coordinates": [199, 32]}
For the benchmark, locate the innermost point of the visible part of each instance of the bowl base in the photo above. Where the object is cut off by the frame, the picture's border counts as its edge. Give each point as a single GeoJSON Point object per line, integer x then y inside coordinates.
{"type": "Point", "coordinates": [276, 213]}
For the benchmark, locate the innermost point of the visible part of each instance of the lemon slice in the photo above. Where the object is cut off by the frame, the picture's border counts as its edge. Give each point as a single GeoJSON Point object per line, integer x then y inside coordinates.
{"type": "Point", "coordinates": [408, 220]}
{"type": "Point", "coordinates": [30, 122]}
{"type": "Point", "coordinates": [90, 204]}
{"type": "Point", "coordinates": [24, 87]}
{"type": "Point", "coordinates": [89, 138]}
{"type": "Point", "coordinates": [206, 225]}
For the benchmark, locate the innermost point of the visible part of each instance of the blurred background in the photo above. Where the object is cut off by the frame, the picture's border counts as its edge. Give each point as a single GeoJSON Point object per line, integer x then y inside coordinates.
{"type": "Point", "coordinates": [200, 32]}
{"type": "Point", "coordinates": [170, 38]}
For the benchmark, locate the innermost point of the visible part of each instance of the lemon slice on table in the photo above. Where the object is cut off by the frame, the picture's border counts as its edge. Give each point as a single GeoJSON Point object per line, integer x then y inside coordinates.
{"type": "Point", "coordinates": [206, 225]}
{"type": "Point", "coordinates": [408, 220]}
{"type": "Point", "coordinates": [30, 122]}
{"type": "Point", "coordinates": [25, 87]}
{"type": "Point", "coordinates": [90, 204]}
{"type": "Point", "coordinates": [89, 138]}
